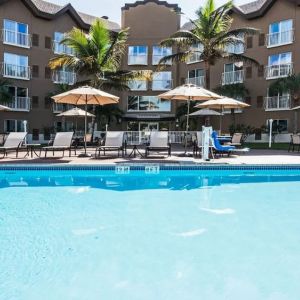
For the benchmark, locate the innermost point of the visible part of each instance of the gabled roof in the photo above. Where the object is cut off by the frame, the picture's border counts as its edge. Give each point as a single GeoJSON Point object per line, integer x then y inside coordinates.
{"type": "Point", "coordinates": [175, 7]}
{"type": "Point", "coordinates": [50, 11]}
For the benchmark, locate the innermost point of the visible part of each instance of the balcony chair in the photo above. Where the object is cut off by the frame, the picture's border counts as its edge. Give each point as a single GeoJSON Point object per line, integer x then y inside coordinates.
{"type": "Point", "coordinates": [13, 142]}
{"type": "Point", "coordinates": [159, 142]}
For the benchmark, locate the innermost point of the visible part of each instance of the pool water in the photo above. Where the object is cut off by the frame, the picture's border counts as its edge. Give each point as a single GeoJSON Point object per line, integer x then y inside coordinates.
{"type": "Point", "coordinates": [187, 235]}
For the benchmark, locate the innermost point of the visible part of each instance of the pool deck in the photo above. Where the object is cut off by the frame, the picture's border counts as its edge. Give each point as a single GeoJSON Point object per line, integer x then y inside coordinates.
{"type": "Point", "coordinates": [253, 157]}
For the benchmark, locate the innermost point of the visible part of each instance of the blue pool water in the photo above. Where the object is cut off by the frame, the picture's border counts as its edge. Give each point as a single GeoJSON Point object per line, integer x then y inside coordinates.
{"type": "Point", "coordinates": [188, 235]}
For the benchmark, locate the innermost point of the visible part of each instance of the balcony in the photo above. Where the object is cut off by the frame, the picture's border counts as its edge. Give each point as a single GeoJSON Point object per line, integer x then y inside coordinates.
{"type": "Point", "coordinates": [233, 77]}
{"type": "Point", "coordinates": [16, 38]}
{"type": "Point", "coordinates": [138, 85]}
{"type": "Point", "coordinates": [280, 38]}
{"type": "Point", "coordinates": [64, 77]}
{"type": "Point", "coordinates": [161, 85]}
{"type": "Point", "coordinates": [61, 107]}
{"type": "Point", "coordinates": [138, 60]}
{"type": "Point", "coordinates": [156, 59]}
{"type": "Point", "coordinates": [62, 49]}
{"type": "Point", "coordinates": [19, 104]}
{"type": "Point", "coordinates": [277, 71]}
{"type": "Point", "coordinates": [278, 103]}
{"type": "Point", "coordinates": [15, 71]}
{"type": "Point", "coordinates": [199, 81]}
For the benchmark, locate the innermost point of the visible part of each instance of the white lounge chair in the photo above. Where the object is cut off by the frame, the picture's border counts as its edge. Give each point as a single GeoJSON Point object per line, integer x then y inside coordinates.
{"type": "Point", "coordinates": [159, 142]}
{"type": "Point", "coordinates": [236, 140]}
{"type": "Point", "coordinates": [62, 142]}
{"type": "Point", "coordinates": [114, 141]}
{"type": "Point", "coordinates": [13, 142]}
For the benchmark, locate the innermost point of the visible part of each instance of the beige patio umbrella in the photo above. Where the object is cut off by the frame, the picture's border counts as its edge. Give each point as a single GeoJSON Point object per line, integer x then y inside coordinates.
{"type": "Point", "coordinates": [77, 113]}
{"type": "Point", "coordinates": [189, 92]}
{"type": "Point", "coordinates": [4, 108]}
{"type": "Point", "coordinates": [86, 95]}
{"type": "Point", "coordinates": [205, 112]}
{"type": "Point", "coordinates": [221, 104]}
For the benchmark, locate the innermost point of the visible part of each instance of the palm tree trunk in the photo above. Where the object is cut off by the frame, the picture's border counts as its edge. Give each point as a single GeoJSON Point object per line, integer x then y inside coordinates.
{"type": "Point", "coordinates": [207, 76]}
{"type": "Point", "coordinates": [93, 121]}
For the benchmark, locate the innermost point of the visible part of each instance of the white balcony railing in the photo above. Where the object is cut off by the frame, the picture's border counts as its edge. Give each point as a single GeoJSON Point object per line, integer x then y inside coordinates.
{"type": "Point", "coordinates": [280, 38]}
{"type": "Point", "coordinates": [161, 85]}
{"type": "Point", "coordinates": [278, 103]}
{"type": "Point", "coordinates": [19, 104]}
{"type": "Point", "coordinates": [16, 38]}
{"type": "Point", "coordinates": [137, 59]}
{"type": "Point", "coordinates": [277, 71]}
{"type": "Point", "coordinates": [60, 107]}
{"type": "Point", "coordinates": [64, 77]}
{"type": "Point", "coordinates": [138, 85]}
{"type": "Point", "coordinates": [62, 49]}
{"type": "Point", "coordinates": [233, 77]}
{"type": "Point", "coordinates": [15, 71]}
{"type": "Point", "coordinates": [199, 81]}
{"type": "Point", "coordinates": [156, 59]}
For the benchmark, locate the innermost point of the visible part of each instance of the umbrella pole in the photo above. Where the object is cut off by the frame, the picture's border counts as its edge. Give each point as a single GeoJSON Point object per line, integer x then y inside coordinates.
{"type": "Point", "coordinates": [221, 115]}
{"type": "Point", "coordinates": [85, 124]}
{"type": "Point", "coordinates": [187, 125]}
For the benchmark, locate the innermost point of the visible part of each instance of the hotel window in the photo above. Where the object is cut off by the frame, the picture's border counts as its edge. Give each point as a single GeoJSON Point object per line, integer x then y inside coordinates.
{"type": "Point", "coordinates": [137, 55]}
{"type": "Point", "coordinates": [15, 33]}
{"type": "Point", "coordinates": [196, 77]}
{"type": "Point", "coordinates": [237, 48]}
{"type": "Point", "coordinates": [13, 125]}
{"type": "Point", "coordinates": [162, 81]}
{"type": "Point", "coordinates": [147, 103]}
{"type": "Point", "coordinates": [20, 100]}
{"type": "Point", "coordinates": [196, 56]}
{"type": "Point", "coordinates": [64, 75]}
{"type": "Point", "coordinates": [281, 126]}
{"type": "Point", "coordinates": [277, 101]}
{"type": "Point", "coordinates": [159, 53]}
{"type": "Point", "coordinates": [16, 66]}
{"type": "Point", "coordinates": [280, 65]}
{"type": "Point", "coordinates": [59, 48]}
{"type": "Point", "coordinates": [233, 73]}
{"type": "Point", "coordinates": [280, 33]}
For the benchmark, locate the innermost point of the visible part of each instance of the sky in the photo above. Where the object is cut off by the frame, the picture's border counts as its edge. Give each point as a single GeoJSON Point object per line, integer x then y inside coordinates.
{"type": "Point", "coordinates": [112, 8]}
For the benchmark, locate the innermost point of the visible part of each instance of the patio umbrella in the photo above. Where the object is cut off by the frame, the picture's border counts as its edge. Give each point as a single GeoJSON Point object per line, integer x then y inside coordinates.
{"type": "Point", "coordinates": [205, 112]}
{"type": "Point", "coordinates": [223, 103]}
{"type": "Point", "coordinates": [4, 108]}
{"type": "Point", "coordinates": [77, 113]}
{"type": "Point", "coordinates": [86, 95]}
{"type": "Point", "coordinates": [189, 92]}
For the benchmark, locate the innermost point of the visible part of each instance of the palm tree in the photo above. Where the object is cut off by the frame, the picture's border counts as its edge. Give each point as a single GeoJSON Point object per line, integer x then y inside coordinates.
{"type": "Point", "coordinates": [108, 113]}
{"type": "Point", "coordinates": [212, 30]}
{"type": "Point", "coordinates": [181, 113]}
{"type": "Point", "coordinates": [235, 91]}
{"type": "Point", "coordinates": [5, 95]}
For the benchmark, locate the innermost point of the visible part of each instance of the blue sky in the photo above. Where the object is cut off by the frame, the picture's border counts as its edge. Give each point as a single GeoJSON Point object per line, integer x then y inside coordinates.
{"type": "Point", "coordinates": [111, 8]}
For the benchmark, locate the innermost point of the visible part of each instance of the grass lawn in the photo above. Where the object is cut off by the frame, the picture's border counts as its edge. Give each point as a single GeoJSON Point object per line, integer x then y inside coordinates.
{"type": "Point", "coordinates": [276, 146]}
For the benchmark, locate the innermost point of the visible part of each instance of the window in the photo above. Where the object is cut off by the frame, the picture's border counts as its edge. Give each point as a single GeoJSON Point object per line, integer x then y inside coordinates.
{"type": "Point", "coordinates": [147, 103]}
{"type": "Point", "coordinates": [59, 48]}
{"type": "Point", "coordinates": [138, 85]}
{"type": "Point", "coordinates": [196, 56]}
{"type": "Point", "coordinates": [15, 33]}
{"type": "Point", "coordinates": [233, 73]}
{"type": "Point", "coordinates": [14, 125]}
{"type": "Point", "coordinates": [16, 66]}
{"type": "Point", "coordinates": [280, 101]}
{"type": "Point", "coordinates": [279, 126]}
{"type": "Point", "coordinates": [64, 76]}
{"type": "Point", "coordinates": [196, 77]}
{"type": "Point", "coordinates": [162, 81]}
{"type": "Point", "coordinates": [159, 53]}
{"type": "Point", "coordinates": [237, 48]}
{"type": "Point", "coordinates": [280, 33]}
{"type": "Point", "coordinates": [280, 65]}
{"type": "Point", "coordinates": [137, 55]}
{"type": "Point", "coordinates": [21, 101]}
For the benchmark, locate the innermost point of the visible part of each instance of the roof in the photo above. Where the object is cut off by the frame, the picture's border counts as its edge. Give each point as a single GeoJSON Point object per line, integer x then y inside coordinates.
{"type": "Point", "coordinates": [48, 10]}
{"type": "Point", "coordinates": [175, 7]}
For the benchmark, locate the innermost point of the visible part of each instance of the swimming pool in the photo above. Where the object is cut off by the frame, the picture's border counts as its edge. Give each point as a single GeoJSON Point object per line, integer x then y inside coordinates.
{"type": "Point", "coordinates": [92, 233]}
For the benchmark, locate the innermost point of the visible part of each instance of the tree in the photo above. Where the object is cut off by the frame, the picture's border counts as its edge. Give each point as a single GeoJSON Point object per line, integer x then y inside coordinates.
{"type": "Point", "coordinates": [181, 113]}
{"type": "Point", "coordinates": [235, 91]}
{"type": "Point", "coordinates": [5, 95]}
{"type": "Point", "coordinates": [108, 113]}
{"type": "Point", "coordinates": [212, 30]}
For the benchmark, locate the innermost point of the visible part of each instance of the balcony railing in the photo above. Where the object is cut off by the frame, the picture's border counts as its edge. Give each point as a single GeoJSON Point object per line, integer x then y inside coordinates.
{"type": "Point", "coordinates": [233, 77]}
{"type": "Point", "coordinates": [62, 49]}
{"type": "Point", "coordinates": [199, 81]}
{"type": "Point", "coordinates": [138, 85]}
{"type": "Point", "coordinates": [161, 85]}
{"type": "Point", "coordinates": [60, 107]}
{"type": "Point", "coordinates": [16, 38]}
{"type": "Point", "coordinates": [278, 103]}
{"type": "Point", "coordinates": [277, 71]}
{"type": "Point", "coordinates": [137, 59]}
{"type": "Point", "coordinates": [19, 104]}
{"type": "Point", "coordinates": [15, 71]}
{"type": "Point", "coordinates": [64, 77]}
{"type": "Point", "coordinates": [236, 49]}
{"type": "Point", "coordinates": [280, 38]}
{"type": "Point", "coordinates": [156, 59]}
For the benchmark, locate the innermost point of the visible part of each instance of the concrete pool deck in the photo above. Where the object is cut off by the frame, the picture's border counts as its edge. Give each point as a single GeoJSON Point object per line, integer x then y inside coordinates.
{"type": "Point", "coordinates": [279, 157]}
